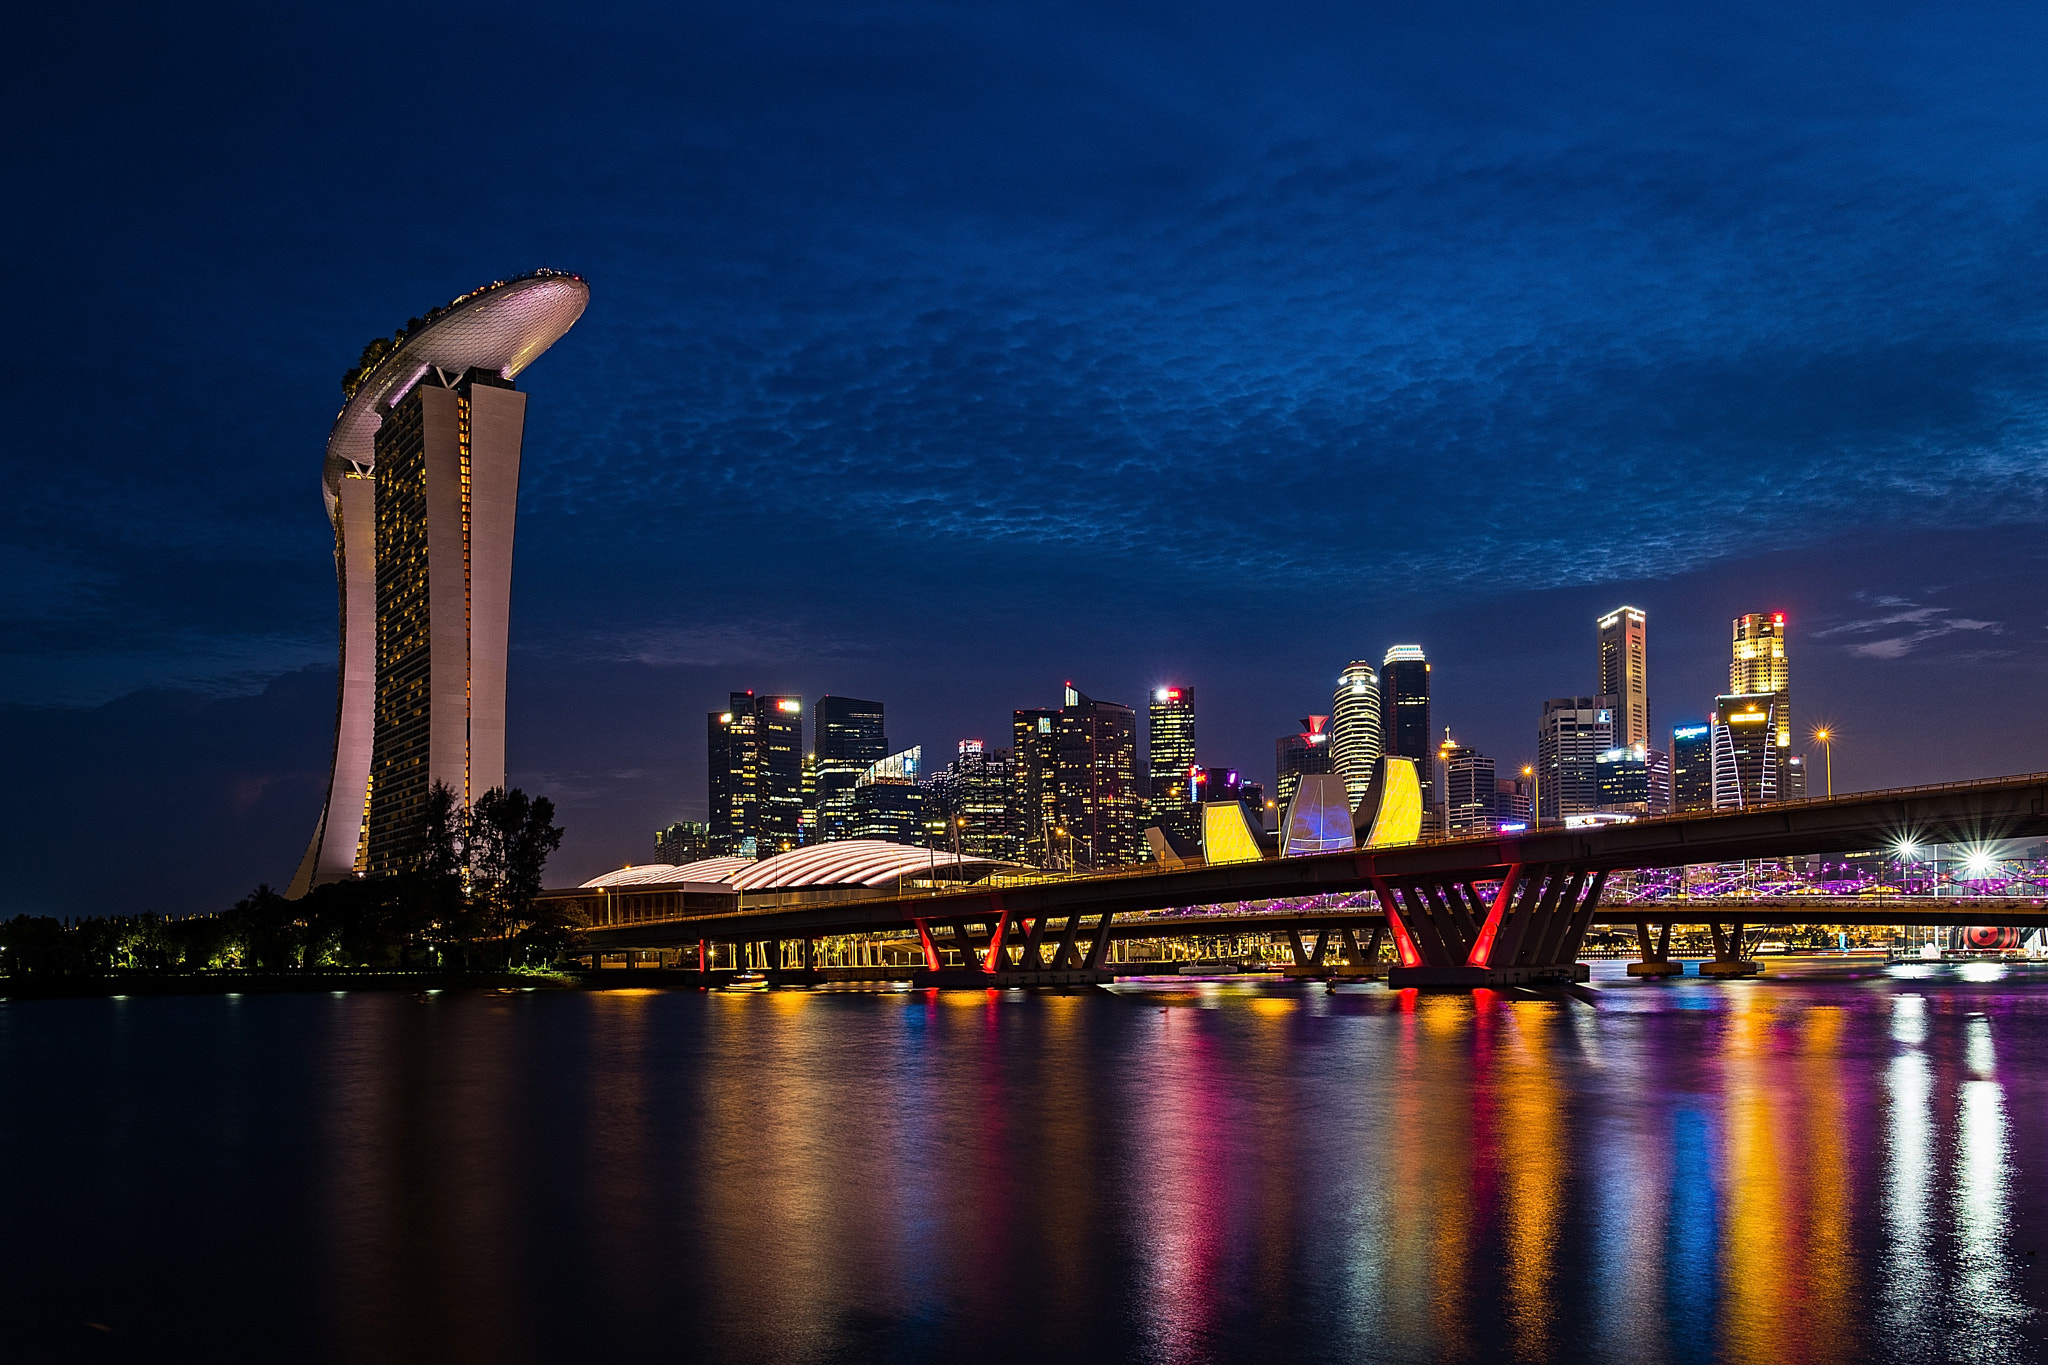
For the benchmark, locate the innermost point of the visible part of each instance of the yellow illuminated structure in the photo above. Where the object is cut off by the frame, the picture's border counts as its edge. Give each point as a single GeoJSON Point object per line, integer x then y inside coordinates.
{"type": "Point", "coordinates": [1396, 804]}
{"type": "Point", "coordinates": [1759, 666]}
{"type": "Point", "coordinates": [1227, 834]}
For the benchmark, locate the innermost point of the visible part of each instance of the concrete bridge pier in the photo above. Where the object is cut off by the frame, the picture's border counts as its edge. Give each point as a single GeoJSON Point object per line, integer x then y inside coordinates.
{"type": "Point", "coordinates": [1656, 957]}
{"type": "Point", "coordinates": [1728, 959]}
{"type": "Point", "coordinates": [1449, 934]}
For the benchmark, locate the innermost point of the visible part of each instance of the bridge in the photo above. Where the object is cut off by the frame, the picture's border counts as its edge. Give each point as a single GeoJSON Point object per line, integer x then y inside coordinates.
{"type": "Point", "coordinates": [1487, 911]}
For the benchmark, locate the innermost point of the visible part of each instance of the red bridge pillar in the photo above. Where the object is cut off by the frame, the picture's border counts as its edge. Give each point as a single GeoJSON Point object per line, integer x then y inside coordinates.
{"type": "Point", "coordinates": [1513, 925]}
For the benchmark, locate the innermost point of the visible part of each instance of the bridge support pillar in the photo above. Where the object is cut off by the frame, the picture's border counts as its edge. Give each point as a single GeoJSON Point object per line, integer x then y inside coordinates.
{"type": "Point", "coordinates": [1656, 957]}
{"type": "Point", "coordinates": [1728, 959]}
{"type": "Point", "coordinates": [1526, 930]}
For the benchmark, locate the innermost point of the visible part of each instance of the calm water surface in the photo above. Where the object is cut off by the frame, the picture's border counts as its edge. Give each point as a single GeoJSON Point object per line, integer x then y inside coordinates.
{"type": "Point", "coordinates": [1789, 1170]}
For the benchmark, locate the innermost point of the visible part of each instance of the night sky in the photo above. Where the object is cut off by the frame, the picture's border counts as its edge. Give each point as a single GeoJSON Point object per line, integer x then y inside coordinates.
{"type": "Point", "coordinates": [941, 354]}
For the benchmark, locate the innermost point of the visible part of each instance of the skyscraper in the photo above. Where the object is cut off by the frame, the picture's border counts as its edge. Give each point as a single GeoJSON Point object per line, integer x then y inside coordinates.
{"type": "Point", "coordinates": [1659, 762]}
{"type": "Point", "coordinates": [1170, 760]}
{"type": "Point", "coordinates": [972, 797]}
{"type": "Point", "coordinates": [754, 754]}
{"type": "Point", "coordinates": [888, 803]}
{"type": "Point", "coordinates": [1098, 796]}
{"type": "Point", "coordinates": [1471, 797]}
{"type": "Point", "coordinates": [1624, 673]}
{"type": "Point", "coordinates": [781, 795]}
{"type": "Point", "coordinates": [1622, 777]}
{"type": "Point", "coordinates": [1355, 727]}
{"type": "Point", "coordinates": [1404, 721]}
{"type": "Point", "coordinates": [1299, 754]}
{"type": "Point", "coordinates": [1035, 784]}
{"type": "Point", "coordinates": [849, 736]}
{"type": "Point", "coordinates": [1759, 666]}
{"type": "Point", "coordinates": [1574, 732]}
{"type": "Point", "coordinates": [421, 483]}
{"type": "Point", "coordinates": [683, 842]}
{"type": "Point", "coordinates": [1692, 768]}
{"type": "Point", "coordinates": [1746, 754]}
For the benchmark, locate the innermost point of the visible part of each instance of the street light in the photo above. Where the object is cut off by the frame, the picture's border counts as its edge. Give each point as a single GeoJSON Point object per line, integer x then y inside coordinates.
{"type": "Point", "coordinates": [1535, 796]}
{"type": "Point", "coordinates": [1826, 739]}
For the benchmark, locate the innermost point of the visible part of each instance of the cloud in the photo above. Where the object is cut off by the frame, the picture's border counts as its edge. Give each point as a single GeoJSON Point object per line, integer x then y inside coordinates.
{"type": "Point", "coordinates": [1931, 623]}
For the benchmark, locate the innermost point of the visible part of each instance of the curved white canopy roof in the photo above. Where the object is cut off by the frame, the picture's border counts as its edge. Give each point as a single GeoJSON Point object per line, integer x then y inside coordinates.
{"type": "Point", "coordinates": [852, 862]}
{"type": "Point", "coordinates": [503, 326]}
{"type": "Point", "coordinates": [703, 870]}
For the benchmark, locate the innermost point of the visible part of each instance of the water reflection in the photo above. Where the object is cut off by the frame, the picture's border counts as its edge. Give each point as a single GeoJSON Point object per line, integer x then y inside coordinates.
{"type": "Point", "coordinates": [1683, 1172]}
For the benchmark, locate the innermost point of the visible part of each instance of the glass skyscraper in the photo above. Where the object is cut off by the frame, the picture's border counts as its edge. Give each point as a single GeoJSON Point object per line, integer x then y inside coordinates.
{"type": "Point", "coordinates": [848, 736]}
{"type": "Point", "coordinates": [1296, 755]}
{"type": "Point", "coordinates": [1692, 768]}
{"type": "Point", "coordinates": [1170, 760]}
{"type": "Point", "coordinates": [1747, 770]}
{"type": "Point", "coordinates": [1355, 727]}
{"type": "Point", "coordinates": [754, 753]}
{"type": "Point", "coordinates": [1759, 665]}
{"type": "Point", "coordinates": [1404, 720]}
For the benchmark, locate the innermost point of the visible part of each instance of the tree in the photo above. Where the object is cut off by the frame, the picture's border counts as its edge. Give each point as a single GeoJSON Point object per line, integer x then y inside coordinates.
{"type": "Point", "coordinates": [511, 836]}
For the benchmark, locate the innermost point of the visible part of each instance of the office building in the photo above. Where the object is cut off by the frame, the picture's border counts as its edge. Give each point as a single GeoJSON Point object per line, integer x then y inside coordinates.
{"type": "Point", "coordinates": [1624, 673]}
{"type": "Point", "coordinates": [1759, 665]}
{"type": "Point", "coordinates": [754, 753]}
{"type": "Point", "coordinates": [1622, 780]}
{"type": "Point", "coordinates": [1097, 794]}
{"type": "Point", "coordinates": [1692, 768]}
{"type": "Point", "coordinates": [1745, 757]}
{"type": "Point", "coordinates": [1355, 727]}
{"type": "Point", "coordinates": [971, 798]}
{"type": "Point", "coordinates": [1660, 780]}
{"type": "Point", "coordinates": [1035, 784]}
{"type": "Point", "coordinates": [1297, 754]}
{"type": "Point", "coordinates": [849, 735]}
{"type": "Point", "coordinates": [1514, 802]}
{"type": "Point", "coordinates": [1404, 721]}
{"type": "Point", "coordinates": [421, 486]}
{"type": "Point", "coordinates": [1470, 789]}
{"type": "Point", "coordinates": [1573, 734]}
{"type": "Point", "coordinates": [1170, 761]}
{"type": "Point", "coordinates": [888, 803]}
{"type": "Point", "coordinates": [682, 843]}
{"type": "Point", "coordinates": [1791, 776]}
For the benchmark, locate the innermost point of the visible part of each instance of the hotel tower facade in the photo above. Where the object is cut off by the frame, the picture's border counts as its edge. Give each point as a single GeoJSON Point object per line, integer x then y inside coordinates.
{"type": "Point", "coordinates": [421, 483]}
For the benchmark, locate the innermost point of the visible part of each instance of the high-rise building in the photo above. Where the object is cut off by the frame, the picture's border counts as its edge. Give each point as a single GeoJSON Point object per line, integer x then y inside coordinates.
{"type": "Point", "coordinates": [1791, 776]}
{"type": "Point", "coordinates": [421, 483]}
{"type": "Point", "coordinates": [1660, 780]}
{"type": "Point", "coordinates": [1746, 766]}
{"type": "Point", "coordinates": [1471, 804]}
{"type": "Point", "coordinates": [1035, 785]}
{"type": "Point", "coordinates": [683, 842]}
{"type": "Point", "coordinates": [971, 797]}
{"type": "Point", "coordinates": [1574, 732]}
{"type": "Point", "coordinates": [1759, 666]}
{"type": "Point", "coordinates": [1170, 761]}
{"type": "Point", "coordinates": [888, 802]}
{"type": "Point", "coordinates": [1624, 673]}
{"type": "Point", "coordinates": [1098, 798]}
{"type": "Point", "coordinates": [1298, 754]}
{"type": "Point", "coordinates": [1404, 722]}
{"type": "Point", "coordinates": [849, 737]}
{"type": "Point", "coordinates": [1355, 727]}
{"type": "Point", "coordinates": [781, 811]}
{"type": "Point", "coordinates": [1692, 768]}
{"type": "Point", "coordinates": [1622, 777]}
{"type": "Point", "coordinates": [1513, 801]}
{"type": "Point", "coordinates": [754, 753]}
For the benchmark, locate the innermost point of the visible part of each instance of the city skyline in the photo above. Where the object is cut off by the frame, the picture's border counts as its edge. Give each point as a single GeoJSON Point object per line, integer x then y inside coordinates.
{"type": "Point", "coordinates": [878, 388]}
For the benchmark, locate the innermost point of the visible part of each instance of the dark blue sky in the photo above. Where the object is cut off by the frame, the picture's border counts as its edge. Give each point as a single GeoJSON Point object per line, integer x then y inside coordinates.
{"type": "Point", "coordinates": [940, 354]}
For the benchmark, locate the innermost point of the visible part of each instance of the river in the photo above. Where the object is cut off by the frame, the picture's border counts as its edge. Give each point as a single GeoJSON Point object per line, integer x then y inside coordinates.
{"type": "Point", "coordinates": [1802, 1169]}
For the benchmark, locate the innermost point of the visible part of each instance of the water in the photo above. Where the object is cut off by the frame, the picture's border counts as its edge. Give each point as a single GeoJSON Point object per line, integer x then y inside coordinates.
{"type": "Point", "coordinates": [1788, 1170]}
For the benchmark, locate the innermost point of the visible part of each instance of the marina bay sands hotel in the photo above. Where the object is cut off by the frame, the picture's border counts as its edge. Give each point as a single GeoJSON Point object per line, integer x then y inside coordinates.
{"type": "Point", "coordinates": [421, 483]}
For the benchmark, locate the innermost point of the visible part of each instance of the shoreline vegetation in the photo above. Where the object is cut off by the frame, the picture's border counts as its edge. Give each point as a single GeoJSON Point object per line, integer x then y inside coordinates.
{"type": "Point", "coordinates": [465, 914]}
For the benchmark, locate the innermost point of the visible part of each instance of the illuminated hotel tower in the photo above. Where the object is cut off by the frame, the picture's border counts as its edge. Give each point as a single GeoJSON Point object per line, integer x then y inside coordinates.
{"type": "Point", "coordinates": [1355, 728]}
{"type": "Point", "coordinates": [421, 483]}
{"type": "Point", "coordinates": [1759, 666]}
{"type": "Point", "coordinates": [1625, 673]}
